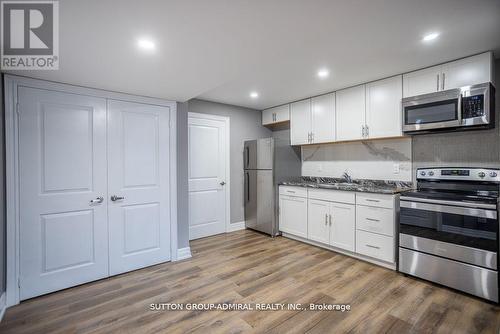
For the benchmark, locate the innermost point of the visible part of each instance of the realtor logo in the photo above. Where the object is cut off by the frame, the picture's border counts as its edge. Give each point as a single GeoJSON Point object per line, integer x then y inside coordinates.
{"type": "Point", "coordinates": [30, 35]}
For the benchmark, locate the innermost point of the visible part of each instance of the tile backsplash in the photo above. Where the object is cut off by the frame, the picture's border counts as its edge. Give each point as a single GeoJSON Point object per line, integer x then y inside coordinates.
{"type": "Point", "coordinates": [388, 159]}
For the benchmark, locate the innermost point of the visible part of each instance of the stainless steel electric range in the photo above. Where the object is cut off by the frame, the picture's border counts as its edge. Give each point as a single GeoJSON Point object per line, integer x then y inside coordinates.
{"type": "Point", "coordinates": [448, 229]}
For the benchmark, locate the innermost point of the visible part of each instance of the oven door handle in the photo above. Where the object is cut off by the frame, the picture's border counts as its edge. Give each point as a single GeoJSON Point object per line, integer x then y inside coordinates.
{"type": "Point", "coordinates": [454, 203]}
{"type": "Point", "coordinates": [457, 210]}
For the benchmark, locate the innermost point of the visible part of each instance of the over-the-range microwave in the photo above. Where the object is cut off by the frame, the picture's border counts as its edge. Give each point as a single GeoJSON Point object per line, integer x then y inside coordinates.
{"type": "Point", "coordinates": [469, 107]}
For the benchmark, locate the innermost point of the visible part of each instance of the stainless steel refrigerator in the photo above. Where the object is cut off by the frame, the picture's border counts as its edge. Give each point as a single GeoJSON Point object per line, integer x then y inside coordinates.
{"type": "Point", "coordinates": [266, 163]}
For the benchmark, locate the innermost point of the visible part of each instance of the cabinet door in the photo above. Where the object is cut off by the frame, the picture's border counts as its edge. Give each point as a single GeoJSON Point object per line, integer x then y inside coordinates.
{"type": "Point", "coordinates": [318, 228]}
{"type": "Point", "coordinates": [267, 116]}
{"type": "Point", "coordinates": [323, 118]}
{"type": "Point", "coordinates": [383, 107]}
{"type": "Point", "coordinates": [422, 82]}
{"type": "Point", "coordinates": [342, 230]}
{"type": "Point", "coordinates": [300, 122]}
{"type": "Point", "coordinates": [282, 113]}
{"type": "Point", "coordinates": [293, 215]}
{"type": "Point", "coordinates": [350, 113]}
{"type": "Point", "coordinates": [469, 71]}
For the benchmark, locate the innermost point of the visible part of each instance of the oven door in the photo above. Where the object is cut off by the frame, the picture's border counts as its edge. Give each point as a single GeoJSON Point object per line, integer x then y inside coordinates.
{"type": "Point", "coordinates": [432, 111]}
{"type": "Point", "coordinates": [458, 232]}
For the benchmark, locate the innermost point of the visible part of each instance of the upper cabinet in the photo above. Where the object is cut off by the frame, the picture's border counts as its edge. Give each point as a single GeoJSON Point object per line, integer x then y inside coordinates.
{"type": "Point", "coordinates": [323, 118]}
{"type": "Point", "coordinates": [464, 72]}
{"type": "Point", "coordinates": [313, 120]}
{"type": "Point", "coordinates": [276, 115]}
{"type": "Point", "coordinates": [383, 108]}
{"type": "Point", "coordinates": [468, 71]}
{"type": "Point", "coordinates": [421, 82]}
{"type": "Point", "coordinates": [350, 110]}
{"type": "Point", "coordinates": [300, 122]}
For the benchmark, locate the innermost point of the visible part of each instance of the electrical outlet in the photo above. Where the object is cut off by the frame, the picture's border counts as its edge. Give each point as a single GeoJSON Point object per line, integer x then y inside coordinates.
{"type": "Point", "coordinates": [395, 168]}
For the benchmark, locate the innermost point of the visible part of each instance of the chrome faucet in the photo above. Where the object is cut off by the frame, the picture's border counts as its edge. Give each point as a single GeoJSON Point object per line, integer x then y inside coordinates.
{"type": "Point", "coordinates": [347, 177]}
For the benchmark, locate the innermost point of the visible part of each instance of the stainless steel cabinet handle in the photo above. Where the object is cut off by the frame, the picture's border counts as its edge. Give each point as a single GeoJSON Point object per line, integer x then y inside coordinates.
{"type": "Point", "coordinates": [372, 200]}
{"type": "Point", "coordinates": [326, 218]}
{"type": "Point", "coordinates": [97, 200]}
{"type": "Point", "coordinates": [330, 220]}
{"type": "Point", "coordinates": [115, 198]}
{"type": "Point", "coordinates": [373, 220]}
{"type": "Point", "coordinates": [290, 191]}
{"type": "Point", "coordinates": [222, 183]}
{"type": "Point", "coordinates": [437, 83]}
{"type": "Point", "coordinates": [371, 246]}
{"type": "Point", "coordinates": [367, 131]}
{"type": "Point", "coordinates": [444, 78]}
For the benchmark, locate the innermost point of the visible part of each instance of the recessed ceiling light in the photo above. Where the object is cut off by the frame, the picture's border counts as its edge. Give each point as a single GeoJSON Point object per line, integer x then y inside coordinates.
{"type": "Point", "coordinates": [254, 95]}
{"type": "Point", "coordinates": [430, 37]}
{"type": "Point", "coordinates": [146, 44]}
{"type": "Point", "coordinates": [323, 73]}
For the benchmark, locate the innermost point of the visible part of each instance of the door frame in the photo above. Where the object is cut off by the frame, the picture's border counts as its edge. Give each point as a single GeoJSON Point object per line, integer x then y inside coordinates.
{"type": "Point", "coordinates": [11, 84]}
{"type": "Point", "coordinates": [227, 122]}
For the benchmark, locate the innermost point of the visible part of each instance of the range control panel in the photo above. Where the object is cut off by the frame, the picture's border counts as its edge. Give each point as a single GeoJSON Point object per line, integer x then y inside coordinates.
{"type": "Point", "coordinates": [473, 106]}
{"type": "Point", "coordinates": [466, 174]}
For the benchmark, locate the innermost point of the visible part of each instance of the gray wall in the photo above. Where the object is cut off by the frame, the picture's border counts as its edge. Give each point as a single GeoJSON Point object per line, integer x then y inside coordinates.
{"type": "Point", "coordinates": [468, 149]}
{"type": "Point", "coordinates": [245, 124]}
{"type": "Point", "coordinates": [2, 194]}
{"type": "Point", "coordinates": [182, 176]}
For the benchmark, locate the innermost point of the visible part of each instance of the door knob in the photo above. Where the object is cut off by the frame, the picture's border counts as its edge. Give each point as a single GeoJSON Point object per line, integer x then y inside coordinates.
{"type": "Point", "coordinates": [97, 200]}
{"type": "Point", "coordinates": [115, 198]}
{"type": "Point", "coordinates": [222, 183]}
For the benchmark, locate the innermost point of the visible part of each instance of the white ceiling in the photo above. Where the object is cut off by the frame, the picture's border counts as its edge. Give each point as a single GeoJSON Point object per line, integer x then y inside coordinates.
{"type": "Point", "coordinates": [221, 50]}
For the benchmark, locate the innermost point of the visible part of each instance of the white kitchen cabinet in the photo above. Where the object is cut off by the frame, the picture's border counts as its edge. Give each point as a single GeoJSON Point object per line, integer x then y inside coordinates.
{"type": "Point", "coordinates": [293, 215]}
{"type": "Point", "coordinates": [422, 82]}
{"type": "Point", "coordinates": [468, 71]}
{"type": "Point", "coordinates": [374, 245]}
{"type": "Point", "coordinates": [350, 113]}
{"type": "Point", "coordinates": [463, 72]}
{"type": "Point", "coordinates": [383, 108]}
{"type": "Point", "coordinates": [323, 119]}
{"type": "Point", "coordinates": [318, 228]}
{"type": "Point", "coordinates": [342, 229]}
{"type": "Point", "coordinates": [300, 122]}
{"type": "Point", "coordinates": [276, 115]}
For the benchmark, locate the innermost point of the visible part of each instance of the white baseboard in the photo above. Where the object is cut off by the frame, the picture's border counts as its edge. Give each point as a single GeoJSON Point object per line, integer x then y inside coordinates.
{"type": "Point", "coordinates": [236, 226]}
{"type": "Point", "coordinates": [183, 253]}
{"type": "Point", "coordinates": [3, 305]}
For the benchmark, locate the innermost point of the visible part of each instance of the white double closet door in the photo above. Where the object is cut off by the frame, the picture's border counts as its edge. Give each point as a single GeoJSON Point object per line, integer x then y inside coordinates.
{"type": "Point", "coordinates": [94, 188]}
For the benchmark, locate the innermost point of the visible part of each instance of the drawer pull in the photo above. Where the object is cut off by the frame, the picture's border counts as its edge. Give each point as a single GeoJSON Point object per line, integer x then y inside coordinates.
{"type": "Point", "coordinates": [371, 246]}
{"type": "Point", "coordinates": [290, 191]}
{"type": "Point", "coordinates": [330, 220]}
{"type": "Point", "coordinates": [373, 220]}
{"type": "Point", "coordinates": [372, 200]}
{"type": "Point", "coordinates": [326, 218]}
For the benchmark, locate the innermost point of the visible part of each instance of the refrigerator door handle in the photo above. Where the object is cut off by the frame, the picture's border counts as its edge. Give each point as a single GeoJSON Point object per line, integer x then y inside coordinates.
{"type": "Point", "coordinates": [247, 184]}
{"type": "Point", "coordinates": [247, 157]}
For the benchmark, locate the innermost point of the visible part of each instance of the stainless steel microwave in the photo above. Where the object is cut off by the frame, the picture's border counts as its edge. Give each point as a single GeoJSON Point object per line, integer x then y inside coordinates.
{"type": "Point", "coordinates": [468, 107]}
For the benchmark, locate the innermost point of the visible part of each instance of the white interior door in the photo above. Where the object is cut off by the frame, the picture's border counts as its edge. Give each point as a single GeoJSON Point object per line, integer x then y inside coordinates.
{"type": "Point", "coordinates": [138, 175]}
{"type": "Point", "coordinates": [207, 175]}
{"type": "Point", "coordinates": [62, 166]}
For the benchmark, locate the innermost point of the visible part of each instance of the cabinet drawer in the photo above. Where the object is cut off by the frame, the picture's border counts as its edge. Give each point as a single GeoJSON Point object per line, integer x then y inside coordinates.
{"type": "Point", "coordinates": [377, 220]}
{"type": "Point", "coordinates": [339, 196]}
{"type": "Point", "coordinates": [375, 245]}
{"type": "Point", "coordinates": [293, 191]}
{"type": "Point", "coordinates": [377, 200]}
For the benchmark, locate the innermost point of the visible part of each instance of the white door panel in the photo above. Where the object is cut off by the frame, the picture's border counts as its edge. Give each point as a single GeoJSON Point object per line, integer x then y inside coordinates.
{"type": "Point", "coordinates": [138, 171]}
{"type": "Point", "coordinates": [383, 107]}
{"type": "Point", "coordinates": [300, 122]}
{"type": "Point", "coordinates": [342, 231]}
{"type": "Point", "coordinates": [293, 215]}
{"type": "Point", "coordinates": [62, 166]}
{"type": "Point", "coordinates": [207, 176]}
{"type": "Point", "coordinates": [318, 228]}
{"type": "Point", "coordinates": [350, 113]}
{"type": "Point", "coordinates": [323, 118]}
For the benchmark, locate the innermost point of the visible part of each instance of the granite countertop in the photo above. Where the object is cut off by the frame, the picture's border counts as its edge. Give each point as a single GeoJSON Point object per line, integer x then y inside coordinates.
{"type": "Point", "coordinates": [361, 185]}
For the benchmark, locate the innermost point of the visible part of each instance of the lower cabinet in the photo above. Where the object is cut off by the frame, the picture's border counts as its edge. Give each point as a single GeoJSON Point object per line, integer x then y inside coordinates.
{"type": "Point", "coordinates": [293, 215]}
{"type": "Point", "coordinates": [360, 223]}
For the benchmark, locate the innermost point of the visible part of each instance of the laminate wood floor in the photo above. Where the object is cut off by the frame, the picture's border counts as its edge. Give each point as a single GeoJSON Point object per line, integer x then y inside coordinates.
{"type": "Point", "coordinates": [248, 267]}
